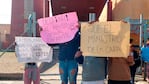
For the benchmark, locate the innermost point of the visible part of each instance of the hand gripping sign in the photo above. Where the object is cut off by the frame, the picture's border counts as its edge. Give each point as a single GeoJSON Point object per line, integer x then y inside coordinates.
{"type": "Point", "coordinates": [59, 29]}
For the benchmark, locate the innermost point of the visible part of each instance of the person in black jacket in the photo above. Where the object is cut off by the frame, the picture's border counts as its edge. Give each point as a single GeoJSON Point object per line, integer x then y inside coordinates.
{"type": "Point", "coordinates": [137, 63]}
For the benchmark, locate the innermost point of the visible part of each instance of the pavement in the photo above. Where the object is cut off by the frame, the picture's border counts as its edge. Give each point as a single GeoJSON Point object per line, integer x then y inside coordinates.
{"type": "Point", "coordinates": [11, 72]}
{"type": "Point", "coordinates": [51, 76]}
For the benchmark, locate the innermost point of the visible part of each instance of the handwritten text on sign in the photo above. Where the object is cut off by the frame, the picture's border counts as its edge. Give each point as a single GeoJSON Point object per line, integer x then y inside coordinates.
{"type": "Point", "coordinates": [60, 28]}
{"type": "Point", "coordinates": [32, 49]}
{"type": "Point", "coordinates": [105, 39]}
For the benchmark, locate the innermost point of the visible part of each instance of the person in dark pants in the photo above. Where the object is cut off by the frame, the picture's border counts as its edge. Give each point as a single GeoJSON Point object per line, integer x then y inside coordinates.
{"type": "Point", "coordinates": [134, 67]}
{"type": "Point", "coordinates": [145, 58]}
{"type": "Point", "coordinates": [68, 65]}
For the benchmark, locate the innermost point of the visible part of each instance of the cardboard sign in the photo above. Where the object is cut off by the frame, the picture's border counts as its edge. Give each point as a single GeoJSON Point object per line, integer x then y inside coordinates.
{"type": "Point", "coordinates": [60, 28]}
{"type": "Point", "coordinates": [32, 49]}
{"type": "Point", "coordinates": [105, 39]}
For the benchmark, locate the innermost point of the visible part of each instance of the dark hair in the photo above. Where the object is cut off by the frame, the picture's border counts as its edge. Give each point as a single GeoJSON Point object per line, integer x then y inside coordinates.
{"type": "Point", "coordinates": [131, 40]}
{"type": "Point", "coordinates": [147, 44]}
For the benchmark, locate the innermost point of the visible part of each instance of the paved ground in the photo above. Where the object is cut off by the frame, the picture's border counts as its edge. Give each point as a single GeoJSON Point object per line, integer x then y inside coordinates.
{"type": "Point", "coordinates": [11, 72]}
{"type": "Point", "coordinates": [51, 76]}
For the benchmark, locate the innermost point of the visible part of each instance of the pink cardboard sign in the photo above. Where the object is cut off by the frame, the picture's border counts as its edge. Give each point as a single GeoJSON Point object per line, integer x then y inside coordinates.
{"type": "Point", "coordinates": [60, 28]}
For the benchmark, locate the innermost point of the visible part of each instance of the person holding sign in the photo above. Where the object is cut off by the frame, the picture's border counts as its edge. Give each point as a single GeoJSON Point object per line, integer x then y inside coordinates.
{"type": "Point", "coordinates": [63, 30]}
{"type": "Point", "coordinates": [94, 68]}
{"type": "Point", "coordinates": [118, 69]}
{"type": "Point", "coordinates": [68, 66]}
{"type": "Point", "coordinates": [31, 70]}
{"type": "Point", "coordinates": [31, 74]}
{"type": "Point", "coordinates": [69, 57]}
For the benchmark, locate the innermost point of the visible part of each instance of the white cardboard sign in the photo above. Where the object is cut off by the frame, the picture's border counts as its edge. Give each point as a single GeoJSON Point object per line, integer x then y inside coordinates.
{"type": "Point", "coordinates": [32, 49]}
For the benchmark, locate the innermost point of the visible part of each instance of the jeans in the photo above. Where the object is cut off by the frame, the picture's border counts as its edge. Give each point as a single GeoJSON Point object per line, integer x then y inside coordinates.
{"type": "Point", "coordinates": [68, 70]}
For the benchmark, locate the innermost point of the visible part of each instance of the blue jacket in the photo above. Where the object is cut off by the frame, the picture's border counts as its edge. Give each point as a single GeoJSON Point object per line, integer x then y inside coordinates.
{"type": "Point", "coordinates": [67, 50]}
{"type": "Point", "coordinates": [145, 54]}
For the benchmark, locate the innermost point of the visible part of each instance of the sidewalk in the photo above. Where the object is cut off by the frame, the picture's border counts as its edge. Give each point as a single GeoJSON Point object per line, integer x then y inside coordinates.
{"type": "Point", "coordinates": [51, 76]}
{"type": "Point", "coordinates": [11, 72]}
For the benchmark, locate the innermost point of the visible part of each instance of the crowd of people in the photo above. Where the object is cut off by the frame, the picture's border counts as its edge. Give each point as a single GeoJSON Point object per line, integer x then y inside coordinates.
{"type": "Point", "coordinates": [117, 70]}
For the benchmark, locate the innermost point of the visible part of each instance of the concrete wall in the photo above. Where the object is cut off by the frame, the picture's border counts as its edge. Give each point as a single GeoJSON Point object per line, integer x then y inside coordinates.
{"type": "Point", "coordinates": [127, 8]}
{"type": "Point", "coordinates": [122, 9]}
{"type": "Point", "coordinates": [20, 12]}
{"type": "Point", "coordinates": [130, 8]}
{"type": "Point", "coordinates": [4, 32]}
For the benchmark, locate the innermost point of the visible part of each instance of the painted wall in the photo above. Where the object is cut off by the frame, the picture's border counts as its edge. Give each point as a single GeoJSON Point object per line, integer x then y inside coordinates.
{"type": "Point", "coordinates": [122, 9]}
{"type": "Point", "coordinates": [82, 7]}
{"type": "Point", "coordinates": [41, 8]}
{"type": "Point", "coordinates": [20, 11]}
{"type": "Point", "coordinates": [130, 8]}
{"type": "Point", "coordinates": [4, 32]}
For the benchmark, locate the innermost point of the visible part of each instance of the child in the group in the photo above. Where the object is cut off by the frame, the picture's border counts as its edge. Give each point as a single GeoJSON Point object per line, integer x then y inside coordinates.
{"type": "Point", "coordinates": [31, 74]}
